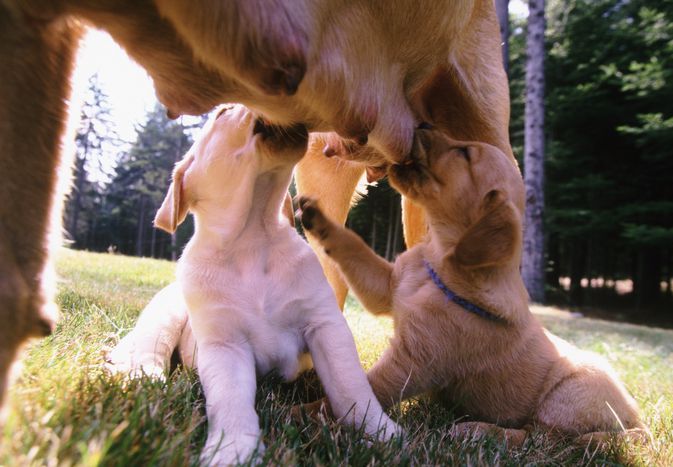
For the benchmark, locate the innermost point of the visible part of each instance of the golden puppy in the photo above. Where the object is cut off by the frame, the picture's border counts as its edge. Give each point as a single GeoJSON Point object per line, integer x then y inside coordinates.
{"type": "Point", "coordinates": [463, 330]}
{"type": "Point", "coordinates": [370, 70]}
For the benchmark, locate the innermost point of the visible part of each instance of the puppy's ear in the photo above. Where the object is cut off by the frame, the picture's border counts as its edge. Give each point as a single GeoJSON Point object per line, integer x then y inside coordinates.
{"type": "Point", "coordinates": [494, 238]}
{"type": "Point", "coordinates": [175, 206]}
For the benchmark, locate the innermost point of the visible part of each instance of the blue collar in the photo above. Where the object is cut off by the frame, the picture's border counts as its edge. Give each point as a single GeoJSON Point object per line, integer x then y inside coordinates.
{"type": "Point", "coordinates": [457, 299]}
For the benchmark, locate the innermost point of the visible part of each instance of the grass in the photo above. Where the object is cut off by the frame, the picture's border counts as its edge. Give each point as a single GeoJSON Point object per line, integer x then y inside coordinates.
{"type": "Point", "coordinates": [65, 410]}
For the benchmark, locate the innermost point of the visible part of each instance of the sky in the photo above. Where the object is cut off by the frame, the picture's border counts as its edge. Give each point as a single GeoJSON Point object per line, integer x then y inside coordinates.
{"type": "Point", "coordinates": [127, 85]}
{"type": "Point", "coordinates": [130, 91]}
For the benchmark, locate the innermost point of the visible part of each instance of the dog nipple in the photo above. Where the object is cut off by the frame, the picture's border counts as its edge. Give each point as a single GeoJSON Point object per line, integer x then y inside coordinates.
{"type": "Point", "coordinates": [329, 150]}
{"type": "Point", "coordinates": [171, 115]}
{"type": "Point", "coordinates": [361, 140]}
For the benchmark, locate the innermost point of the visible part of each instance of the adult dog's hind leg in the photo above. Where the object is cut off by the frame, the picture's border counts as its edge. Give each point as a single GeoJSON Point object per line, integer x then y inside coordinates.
{"type": "Point", "coordinates": [413, 222]}
{"type": "Point", "coordinates": [333, 182]}
{"type": "Point", "coordinates": [36, 60]}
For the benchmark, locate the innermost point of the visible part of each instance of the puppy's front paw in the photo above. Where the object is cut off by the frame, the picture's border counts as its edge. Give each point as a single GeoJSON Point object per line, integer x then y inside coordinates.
{"type": "Point", "coordinates": [224, 452]}
{"type": "Point", "coordinates": [312, 218]}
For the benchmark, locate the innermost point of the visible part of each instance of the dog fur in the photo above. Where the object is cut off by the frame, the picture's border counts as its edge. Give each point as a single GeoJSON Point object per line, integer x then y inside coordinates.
{"type": "Point", "coordinates": [369, 70]}
{"type": "Point", "coordinates": [508, 374]}
{"type": "Point", "coordinates": [256, 296]}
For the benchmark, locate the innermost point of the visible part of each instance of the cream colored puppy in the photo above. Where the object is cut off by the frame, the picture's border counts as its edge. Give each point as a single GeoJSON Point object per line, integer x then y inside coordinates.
{"type": "Point", "coordinates": [257, 297]}
{"type": "Point", "coordinates": [463, 329]}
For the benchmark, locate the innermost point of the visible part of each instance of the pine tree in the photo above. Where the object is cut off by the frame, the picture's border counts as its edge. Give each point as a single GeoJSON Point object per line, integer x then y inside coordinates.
{"type": "Point", "coordinates": [96, 142]}
{"type": "Point", "coordinates": [141, 183]}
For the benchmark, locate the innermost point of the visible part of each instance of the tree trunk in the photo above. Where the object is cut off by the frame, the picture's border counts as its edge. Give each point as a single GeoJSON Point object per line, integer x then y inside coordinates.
{"type": "Point", "coordinates": [372, 236]}
{"type": "Point", "coordinates": [174, 247]}
{"type": "Point", "coordinates": [153, 242]}
{"type": "Point", "coordinates": [76, 204]}
{"type": "Point", "coordinates": [398, 225]}
{"type": "Point", "coordinates": [533, 245]}
{"type": "Point", "coordinates": [554, 260]}
{"type": "Point", "coordinates": [647, 283]}
{"type": "Point", "coordinates": [669, 266]}
{"type": "Point", "coordinates": [391, 227]}
{"type": "Point", "coordinates": [577, 272]}
{"type": "Point", "coordinates": [502, 10]}
{"type": "Point", "coordinates": [141, 227]}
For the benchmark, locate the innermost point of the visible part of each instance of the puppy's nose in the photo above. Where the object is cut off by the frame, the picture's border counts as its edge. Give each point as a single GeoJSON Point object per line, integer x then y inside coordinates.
{"type": "Point", "coordinates": [420, 146]}
{"type": "Point", "coordinates": [260, 127]}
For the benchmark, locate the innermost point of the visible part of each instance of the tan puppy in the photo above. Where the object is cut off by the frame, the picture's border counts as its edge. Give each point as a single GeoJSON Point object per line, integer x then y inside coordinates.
{"type": "Point", "coordinates": [256, 296]}
{"type": "Point", "coordinates": [463, 330]}
{"type": "Point", "coordinates": [367, 69]}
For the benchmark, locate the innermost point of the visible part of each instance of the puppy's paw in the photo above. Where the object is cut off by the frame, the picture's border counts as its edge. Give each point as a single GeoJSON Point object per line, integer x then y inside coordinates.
{"type": "Point", "coordinates": [125, 360]}
{"type": "Point", "coordinates": [312, 218]}
{"type": "Point", "coordinates": [389, 430]}
{"type": "Point", "coordinates": [319, 411]}
{"type": "Point", "coordinates": [236, 451]}
{"type": "Point", "coordinates": [601, 439]}
{"type": "Point", "coordinates": [477, 430]}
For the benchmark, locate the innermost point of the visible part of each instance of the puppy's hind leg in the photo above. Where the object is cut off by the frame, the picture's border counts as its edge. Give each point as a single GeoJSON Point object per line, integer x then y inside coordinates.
{"type": "Point", "coordinates": [513, 437]}
{"type": "Point", "coordinates": [350, 396]}
{"type": "Point", "coordinates": [148, 347]}
{"type": "Point", "coordinates": [397, 375]}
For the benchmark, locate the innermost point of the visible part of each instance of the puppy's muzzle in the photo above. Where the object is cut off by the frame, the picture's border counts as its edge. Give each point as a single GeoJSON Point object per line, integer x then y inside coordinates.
{"type": "Point", "coordinates": [285, 136]}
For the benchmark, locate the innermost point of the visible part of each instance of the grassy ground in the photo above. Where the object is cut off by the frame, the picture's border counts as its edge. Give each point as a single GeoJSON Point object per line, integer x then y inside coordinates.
{"type": "Point", "coordinates": [67, 411]}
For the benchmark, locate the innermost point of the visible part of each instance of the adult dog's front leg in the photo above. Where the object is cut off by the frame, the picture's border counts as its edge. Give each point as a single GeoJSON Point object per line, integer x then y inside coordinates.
{"type": "Point", "coordinates": [368, 275]}
{"type": "Point", "coordinates": [337, 363]}
{"type": "Point", "coordinates": [227, 373]}
{"type": "Point", "coordinates": [36, 62]}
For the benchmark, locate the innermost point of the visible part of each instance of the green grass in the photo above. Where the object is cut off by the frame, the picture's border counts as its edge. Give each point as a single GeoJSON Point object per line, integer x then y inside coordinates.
{"type": "Point", "coordinates": [66, 411]}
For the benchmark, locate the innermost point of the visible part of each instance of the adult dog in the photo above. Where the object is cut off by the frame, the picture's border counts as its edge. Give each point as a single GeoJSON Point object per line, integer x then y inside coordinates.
{"type": "Point", "coordinates": [371, 70]}
{"type": "Point", "coordinates": [463, 329]}
{"type": "Point", "coordinates": [256, 295]}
